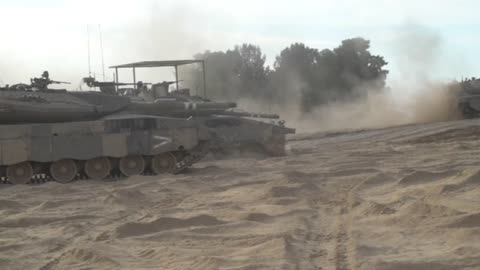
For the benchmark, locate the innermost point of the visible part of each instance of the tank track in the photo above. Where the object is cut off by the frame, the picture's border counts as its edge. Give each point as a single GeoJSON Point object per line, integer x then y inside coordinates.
{"type": "Point", "coordinates": [187, 160]}
{"type": "Point", "coordinates": [197, 154]}
{"type": "Point", "coordinates": [467, 111]}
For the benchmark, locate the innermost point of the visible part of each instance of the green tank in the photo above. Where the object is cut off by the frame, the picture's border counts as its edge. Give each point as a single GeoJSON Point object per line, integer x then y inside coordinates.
{"type": "Point", "coordinates": [467, 94]}
{"type": "Point", "coordinates": [65, 135]}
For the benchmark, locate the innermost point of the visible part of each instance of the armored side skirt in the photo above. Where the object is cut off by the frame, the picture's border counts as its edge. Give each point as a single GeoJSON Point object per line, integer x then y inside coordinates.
{"type": "Point", "coordinates": [86, 140]}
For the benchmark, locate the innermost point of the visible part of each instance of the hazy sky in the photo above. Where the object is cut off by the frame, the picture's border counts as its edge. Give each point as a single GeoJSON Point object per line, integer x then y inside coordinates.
{"type": "Point", "coordinates": [437, 39]}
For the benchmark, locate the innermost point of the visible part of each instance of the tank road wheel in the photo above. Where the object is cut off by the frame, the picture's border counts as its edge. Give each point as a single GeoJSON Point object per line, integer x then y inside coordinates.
{"type": "Point", "coordinates": [132, 165]}
{"type": "Point", "coordinates": [98, 168]}
{"type": "Point", "coordinates": [63, 171]}
{"type": "Point", "coordinates": [20, 173]}
{"type": "Point", "coordinates": [275, 149]}
{"type": "Point", "coordinates": [163, 163]}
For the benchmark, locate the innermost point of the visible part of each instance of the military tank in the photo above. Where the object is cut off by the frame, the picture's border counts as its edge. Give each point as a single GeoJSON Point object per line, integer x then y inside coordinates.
{"type": "Point", "coordinates": [240, 130]}
{"type": "Point", "coordinates": [467, 94]}
{"type": "Point", "coordinates": [64, 135]}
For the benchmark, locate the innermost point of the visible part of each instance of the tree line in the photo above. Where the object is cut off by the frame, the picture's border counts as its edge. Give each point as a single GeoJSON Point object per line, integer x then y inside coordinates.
{"type": "Point", "coordinates": [299, 72]}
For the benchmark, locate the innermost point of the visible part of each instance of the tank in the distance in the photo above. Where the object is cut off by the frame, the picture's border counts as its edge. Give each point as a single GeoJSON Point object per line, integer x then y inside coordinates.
{"type": "Point", "coordinates": [467, 94]}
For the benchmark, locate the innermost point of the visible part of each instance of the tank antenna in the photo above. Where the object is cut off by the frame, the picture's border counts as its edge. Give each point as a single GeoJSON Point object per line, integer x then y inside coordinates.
{"type": "Point", "coordinates": [101, 51]}
{"type": "Point", "coordinates": [88, 47]}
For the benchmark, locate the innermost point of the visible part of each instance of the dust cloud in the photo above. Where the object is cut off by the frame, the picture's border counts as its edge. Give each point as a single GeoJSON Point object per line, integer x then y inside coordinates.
{"type": "Point", "coordinates": [413, 98]}
{"type": "Point", "coordinates": [377, 110]}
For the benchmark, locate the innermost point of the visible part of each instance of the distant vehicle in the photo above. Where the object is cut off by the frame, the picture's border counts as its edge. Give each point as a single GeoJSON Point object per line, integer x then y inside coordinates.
{"type": "Point", "coordinates": [136, 130]}
{"type": "Point", "coordinates": [468, 97]}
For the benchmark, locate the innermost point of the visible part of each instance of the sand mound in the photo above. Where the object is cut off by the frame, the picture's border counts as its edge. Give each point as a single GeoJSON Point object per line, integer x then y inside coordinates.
{"type": "Point", "coordinates": [470, 179]}
{"type": "Point", "coordinates": [467, 221]}
{"type": "Point", "coordinates": [164, 223]}
{"type": "Point", "coordinates": [24, 222]}
{"type": "Point", "coordinates": [78, 258]}
{"type": "Point", "coordinates": [258, 217]}
{"type": "Point", "coordinates": [125, 197]}
{"type": "Point", "coordinates": [352, 172]}
{"type": "Point", "coordinates": [453, 135]}
{"type": "Point", "coordinates": [423, 209]}
{"type": "Point", "coordinates": [416, 265]}
{"type": "Point", "coordinates": [284, 191]}
{"type": "Point", "coordinates": [424, 177]}
{"type": "Point", "coordinates": [377, 180]}
{"type": "Point", "coordinates": [373, 209]}
{"type": "Point", "coordinates": [10, 205]}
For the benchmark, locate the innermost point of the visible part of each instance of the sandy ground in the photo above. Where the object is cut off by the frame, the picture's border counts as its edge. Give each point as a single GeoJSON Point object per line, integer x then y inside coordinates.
{"type": "Point", "coordinates": [397, 198]}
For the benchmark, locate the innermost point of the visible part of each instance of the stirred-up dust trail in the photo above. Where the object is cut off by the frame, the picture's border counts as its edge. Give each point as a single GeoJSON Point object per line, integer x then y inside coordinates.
{"type": "Point", "coordinates": [428, 102]}
{"type": "Point", "coordinates": [405, 197]}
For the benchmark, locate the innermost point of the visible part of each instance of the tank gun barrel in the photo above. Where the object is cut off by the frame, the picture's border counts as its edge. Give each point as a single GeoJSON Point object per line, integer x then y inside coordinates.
{"type": "Point", "coordinates": [168, 82]}
{"type": "Point", "coordinates": [212, 105]}
{"type": "Point", "coordinates": [58, 82]}
{"type": "Point", "coordinates": [173, 107]}
{"type": "Point", "coordinates": [92, 82]}
{"type": "Point", "coordinates": [248, 114]}
{"type": "Point", "coordinates": [180, 108]}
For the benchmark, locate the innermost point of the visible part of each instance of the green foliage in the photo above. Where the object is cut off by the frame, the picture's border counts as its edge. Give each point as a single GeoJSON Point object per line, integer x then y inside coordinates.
{"type": "Point", "coordinates": [345, 72]}
{"type": "Point", "coordinates": [300, 73]}
{"type": "Point", "coordinates": [236, 73]}
{"type": "Point", "coordinates": [252, 71]}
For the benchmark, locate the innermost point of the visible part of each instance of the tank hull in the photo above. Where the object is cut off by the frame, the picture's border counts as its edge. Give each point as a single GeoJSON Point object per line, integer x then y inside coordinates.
{"type": "Point", "coordinates": [252, 134]}
{"type": "Point", "coordinates": [38, 149]}
{"type": "Point", "coordinates": [467, 97]}
{"type": "Point", "coordinates": [90, 139]}
{"type": "Point", "coordinates": [469, 106]}
{"type": "Point", "coordinates": [160, 144]}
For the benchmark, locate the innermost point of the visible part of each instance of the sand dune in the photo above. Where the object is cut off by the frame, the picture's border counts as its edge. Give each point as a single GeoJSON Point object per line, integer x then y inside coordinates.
{"type": "Point", "coordinates": [405, 197]}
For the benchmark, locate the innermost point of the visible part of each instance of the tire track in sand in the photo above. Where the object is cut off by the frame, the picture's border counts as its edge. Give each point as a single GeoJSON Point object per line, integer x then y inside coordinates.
{"type": "Point", "coordinates": [344, 250]}
{"type": "Point", "coordinates": [342, 239]}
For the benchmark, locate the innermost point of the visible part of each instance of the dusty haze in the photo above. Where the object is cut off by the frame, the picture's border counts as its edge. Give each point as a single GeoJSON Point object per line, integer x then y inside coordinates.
{"type": "Point", "coordinates": [414, 98]}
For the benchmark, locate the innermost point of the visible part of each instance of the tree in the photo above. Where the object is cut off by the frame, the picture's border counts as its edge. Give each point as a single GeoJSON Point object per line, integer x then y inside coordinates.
{"type": "Point", "coordinates": [314, 77]}
{"type": "Point", "coordinates": [300, 73]}
{"type": "Point", "coordinates": [294, 74]}
{"type": "Point", "coordinates": [236, 73]}
{"type": "Point", "coordinates": [358, 67]}
{"type": "Point", "coordinates": [252, 73]}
